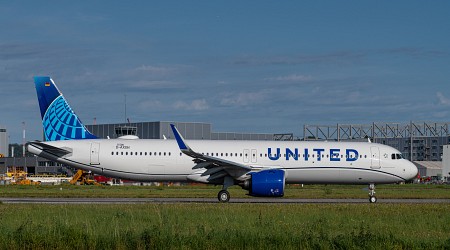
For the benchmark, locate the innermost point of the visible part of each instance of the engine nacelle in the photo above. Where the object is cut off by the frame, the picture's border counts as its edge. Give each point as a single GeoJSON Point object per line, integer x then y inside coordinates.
{"type": "Point", "coordinates": [266, 183]}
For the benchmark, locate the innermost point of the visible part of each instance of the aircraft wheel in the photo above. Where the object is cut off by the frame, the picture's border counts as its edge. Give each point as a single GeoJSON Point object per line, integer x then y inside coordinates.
{"type": "Point", "coordinates": [372, 199]}
{"type": "Point", "coordinates": [223, 196]}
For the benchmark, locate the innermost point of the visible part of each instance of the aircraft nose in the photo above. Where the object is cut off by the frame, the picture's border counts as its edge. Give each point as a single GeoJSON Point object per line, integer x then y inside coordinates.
{"type": "Point", "coordinates": [411, 171]}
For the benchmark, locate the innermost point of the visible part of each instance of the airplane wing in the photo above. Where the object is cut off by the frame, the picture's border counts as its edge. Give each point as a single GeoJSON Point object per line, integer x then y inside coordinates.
{"type": "Point", "coordinates": [217, 168]}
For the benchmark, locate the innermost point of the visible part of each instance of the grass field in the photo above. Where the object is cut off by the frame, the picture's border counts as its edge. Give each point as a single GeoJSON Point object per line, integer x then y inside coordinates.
{"type": "Point", "coordinates": [225, 226]}
{"type": "Point", "coordinates": [292, 191]}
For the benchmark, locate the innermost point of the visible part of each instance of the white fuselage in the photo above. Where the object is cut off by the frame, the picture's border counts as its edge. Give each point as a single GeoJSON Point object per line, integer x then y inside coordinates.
{"type": "Point", "coordinates": [304, 162]}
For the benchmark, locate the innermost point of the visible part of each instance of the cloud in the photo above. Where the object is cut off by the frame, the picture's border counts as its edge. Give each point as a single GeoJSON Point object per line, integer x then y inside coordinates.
{"type": "Point", "coordinates": [345, 56]}
{"type": "Point", "coordinates": [243, 99]}
{"type": "Point", "coordinates": [154, 69]}
{"type": "Point", "coordinates": [336, 57]}
{"type": "Point", "coordinates": [196, 105]}
{"type": "Point", "coordinates": [442, 99]}
{"type": "Point", "coordinates": [291, 78]}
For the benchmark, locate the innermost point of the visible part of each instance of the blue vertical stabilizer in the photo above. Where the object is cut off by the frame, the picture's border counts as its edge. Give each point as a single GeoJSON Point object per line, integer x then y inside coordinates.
{"type": "Point", "coordinates": [58, 119]}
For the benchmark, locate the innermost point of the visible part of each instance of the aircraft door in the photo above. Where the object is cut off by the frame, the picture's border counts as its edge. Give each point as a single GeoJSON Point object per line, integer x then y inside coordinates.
{"type": "Point", "coordinates": [246, 156]}
{"type": "Point", "coordinates": [254, 155]}
{"type": "Point", "coordinates": [95, 153]}
{"type": "Point", "coordinates": [375, 157]}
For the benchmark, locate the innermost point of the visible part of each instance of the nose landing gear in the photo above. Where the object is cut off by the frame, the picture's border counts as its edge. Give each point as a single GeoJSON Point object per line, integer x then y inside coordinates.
{"type": "Point", "coordinates": [372, 197]}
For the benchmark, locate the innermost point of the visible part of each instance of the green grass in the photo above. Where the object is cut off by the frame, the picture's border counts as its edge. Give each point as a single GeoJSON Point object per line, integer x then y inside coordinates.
{"type": "Point", "coordinates": [292, 191]}
{"type": "Point", "coordinates": [225, 226]}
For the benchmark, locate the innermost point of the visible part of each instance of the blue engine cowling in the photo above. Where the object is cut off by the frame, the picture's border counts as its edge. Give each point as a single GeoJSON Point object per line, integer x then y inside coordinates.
{"type": "Point", "coordinates": [266, 183]}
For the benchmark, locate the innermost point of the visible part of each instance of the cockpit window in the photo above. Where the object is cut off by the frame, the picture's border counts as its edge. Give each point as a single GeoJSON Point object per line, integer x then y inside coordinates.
{"type": "Point", "coordinates": [396, 156]}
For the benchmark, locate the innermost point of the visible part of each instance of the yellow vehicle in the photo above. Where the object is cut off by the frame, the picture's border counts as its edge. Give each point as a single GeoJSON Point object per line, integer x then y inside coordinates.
{"type": "Point", "coordinates": [19, 176]}
{"type": "Point", "coordinates": [83, 178]}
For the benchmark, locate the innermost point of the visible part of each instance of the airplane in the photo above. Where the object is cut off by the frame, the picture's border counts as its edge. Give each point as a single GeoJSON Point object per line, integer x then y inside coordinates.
{"type": "Point", "coordinates": [261, 167]}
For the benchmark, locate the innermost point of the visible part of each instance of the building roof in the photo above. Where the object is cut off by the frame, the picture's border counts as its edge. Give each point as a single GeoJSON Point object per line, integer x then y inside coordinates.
{"type": "Point", "coordinates": [429, 164]}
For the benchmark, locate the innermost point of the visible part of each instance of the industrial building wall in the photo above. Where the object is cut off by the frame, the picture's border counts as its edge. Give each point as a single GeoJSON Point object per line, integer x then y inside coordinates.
{"type": "Point", "coordinates": [189, 130]}
{"type": "Point", "coordinates": [446, 162]}
{"type": "Point", "coordinates": [3, 142]}
{"type": "Point", "coordinates": [423, 148]}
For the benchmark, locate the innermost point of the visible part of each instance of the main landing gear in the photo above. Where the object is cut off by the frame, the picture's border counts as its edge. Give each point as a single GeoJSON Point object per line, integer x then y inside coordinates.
{"type": "Point", "coordinates": [224, 196]}
{"type": "Point", "coordinates": [372, 198]}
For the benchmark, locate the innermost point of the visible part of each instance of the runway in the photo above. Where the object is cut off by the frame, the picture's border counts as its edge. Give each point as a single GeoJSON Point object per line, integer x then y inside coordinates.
{"type": "Point", "coordinates": [211, 200]}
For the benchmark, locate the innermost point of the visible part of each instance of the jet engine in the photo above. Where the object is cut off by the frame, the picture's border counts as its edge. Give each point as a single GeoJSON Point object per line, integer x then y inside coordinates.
{"type": "Point", "coordinates": [265, 183]}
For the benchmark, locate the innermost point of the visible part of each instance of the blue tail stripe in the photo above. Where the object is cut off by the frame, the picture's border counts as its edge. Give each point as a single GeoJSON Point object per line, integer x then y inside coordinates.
{"type": "Point", "coordinates": [53, 137]}
{"type": "Point", "coordinates": [73, 132]}
{"type": "Point", "coordinates": [58, 126]}
{"type": "Point", "coordinates": [63, 117]}
{"type": "Point", "coordinates": [64, 132]}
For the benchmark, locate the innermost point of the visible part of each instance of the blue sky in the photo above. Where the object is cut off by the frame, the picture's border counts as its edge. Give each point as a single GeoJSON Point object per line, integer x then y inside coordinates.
{"type": "Point", "coordinates": [253, 66]}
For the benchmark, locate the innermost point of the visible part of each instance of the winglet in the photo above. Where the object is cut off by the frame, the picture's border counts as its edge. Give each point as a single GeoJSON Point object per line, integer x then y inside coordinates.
{"type": "Point", "coordinates": [179, 138]}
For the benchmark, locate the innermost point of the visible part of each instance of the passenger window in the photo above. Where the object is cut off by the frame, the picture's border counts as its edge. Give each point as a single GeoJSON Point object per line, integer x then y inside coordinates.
{"type": "Point", "coordinates": [169, 153]}
{"type": "Point", "coordinates": [393, 156]}
{"type": "Point", "coordinates": [121, 153]}
{"type": "Point", "coordinates": [131, 153]}
{"type": "Point", "coordinates": [112, 153]}
{"type": "Point", "coordinates": [164, 153]}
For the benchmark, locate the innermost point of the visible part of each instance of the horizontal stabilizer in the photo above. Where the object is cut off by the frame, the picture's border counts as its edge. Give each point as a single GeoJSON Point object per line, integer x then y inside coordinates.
{"type": "Point", "coordinates": [59, 152]}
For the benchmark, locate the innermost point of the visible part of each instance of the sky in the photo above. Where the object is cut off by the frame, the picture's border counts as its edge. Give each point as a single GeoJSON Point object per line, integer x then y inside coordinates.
{"type": "Point", "coordinates": [243, 66]}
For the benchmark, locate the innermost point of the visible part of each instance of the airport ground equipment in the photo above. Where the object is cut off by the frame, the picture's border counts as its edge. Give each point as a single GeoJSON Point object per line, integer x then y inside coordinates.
{"type": "Point", "coordinates": [82, 177]}
{"type": "Point", "coordinates": [18, 176]}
